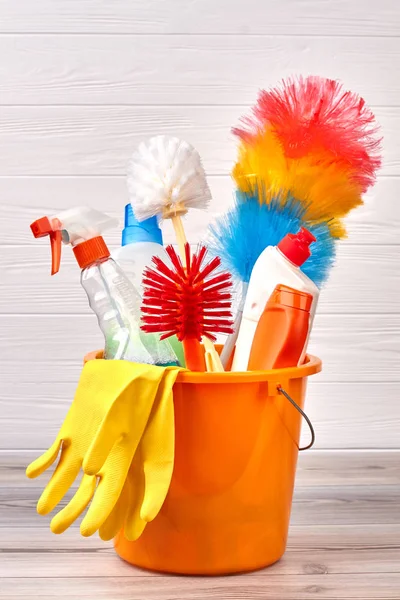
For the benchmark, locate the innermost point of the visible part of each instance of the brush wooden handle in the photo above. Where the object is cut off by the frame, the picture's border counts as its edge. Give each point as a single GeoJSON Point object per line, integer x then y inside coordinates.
{"type": "Point", "coordinates": [194, 355]}
{"type": "Point", "coordinates": [180, 236]}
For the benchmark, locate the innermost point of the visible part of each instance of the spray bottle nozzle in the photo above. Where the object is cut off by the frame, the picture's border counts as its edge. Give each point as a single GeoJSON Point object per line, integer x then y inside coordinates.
{"type": "Point", "coordinates": [74, 226]}
{"type": "Point", "coordinates": [43, 227]}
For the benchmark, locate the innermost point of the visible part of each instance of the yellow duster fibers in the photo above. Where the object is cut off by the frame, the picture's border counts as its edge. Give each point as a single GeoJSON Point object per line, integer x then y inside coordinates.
{"type": "Point", "coordinates": [323, 186]}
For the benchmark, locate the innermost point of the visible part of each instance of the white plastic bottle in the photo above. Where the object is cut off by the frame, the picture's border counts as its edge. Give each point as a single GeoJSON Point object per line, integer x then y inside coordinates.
{"type": "Point", "coordinates": [140, 242]}
{"type": "Point", "coordinates": [276, 265]}
{"type": "Point", "coordinates": [111, 295]}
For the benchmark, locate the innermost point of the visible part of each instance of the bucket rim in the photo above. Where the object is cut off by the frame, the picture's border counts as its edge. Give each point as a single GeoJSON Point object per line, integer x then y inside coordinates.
{"type": "Point", "coordinates": [312, 365]}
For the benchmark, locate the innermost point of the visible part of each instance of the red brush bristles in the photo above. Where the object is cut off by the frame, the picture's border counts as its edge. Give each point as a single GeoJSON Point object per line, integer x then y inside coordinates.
{"type": "Point", "coordinates": [314, 115]}
{"type": "Point", "coordinates": [189, 303]}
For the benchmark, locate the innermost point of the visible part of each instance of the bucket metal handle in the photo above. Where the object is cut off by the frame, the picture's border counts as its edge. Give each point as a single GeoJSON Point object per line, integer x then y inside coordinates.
{"type": "Point", "coordinates": [303, 414]}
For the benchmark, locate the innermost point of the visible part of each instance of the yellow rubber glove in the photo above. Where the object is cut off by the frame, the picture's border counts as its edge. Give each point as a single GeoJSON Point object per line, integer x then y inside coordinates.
{"type": "Point", "coordinates": [101, 433]}
{"type": "Point", "coordinates": [151, 470]}
{"type": "Point", "coordinates": [126, 512]}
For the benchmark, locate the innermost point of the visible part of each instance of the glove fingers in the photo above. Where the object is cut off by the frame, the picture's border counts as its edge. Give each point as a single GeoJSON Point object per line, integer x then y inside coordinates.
{"type": "Point", "coordinates": [134, 525]}
{"type": "Point", "coordinates": [112, 480]}
{"type": "Point", "coordinates": [75, 506]}
{"type": "Point", "coordinates": [106, 437]}
{"type": "Point", "coordinates": [115, 522]}
{"type": "Point", "coordinates": [43, 462]}
{"type": "Point", "coordinates": [158, 448]}
{"type": "Point", "coordinates": [63, 477]}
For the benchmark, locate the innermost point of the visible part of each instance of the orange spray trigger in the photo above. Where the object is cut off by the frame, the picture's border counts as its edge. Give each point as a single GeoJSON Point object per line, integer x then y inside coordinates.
{"type": "Point", "coordinates": [43, 227]}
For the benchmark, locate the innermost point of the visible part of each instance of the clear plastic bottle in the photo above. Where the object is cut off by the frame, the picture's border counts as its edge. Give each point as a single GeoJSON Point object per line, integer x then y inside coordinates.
{"type": "Point", "coordinates": [111, 295]}
{"type": "Point", "coordinates": [111, 300]}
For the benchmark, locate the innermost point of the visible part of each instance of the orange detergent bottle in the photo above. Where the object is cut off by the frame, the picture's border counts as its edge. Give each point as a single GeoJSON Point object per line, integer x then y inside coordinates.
{"type": "Point", "coordinates": [282, 330]}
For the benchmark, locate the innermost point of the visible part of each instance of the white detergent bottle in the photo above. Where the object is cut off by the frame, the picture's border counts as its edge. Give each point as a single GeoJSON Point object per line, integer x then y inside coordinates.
{"type": "Point", "coordinates": [112, 297]}
{"type": "Point", "coordinates": [140, 242]}
{"type": "Point", "coordinates": [276, 265]}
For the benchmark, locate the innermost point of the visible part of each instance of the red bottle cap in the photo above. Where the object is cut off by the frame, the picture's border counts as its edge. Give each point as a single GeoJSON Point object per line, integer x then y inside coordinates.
{"type": "Point", "coordinates": [287, 296]}
{"type": "Point", "coordinates": [89, 252]}
{"type": "Point", "coordinates": [296, 247]}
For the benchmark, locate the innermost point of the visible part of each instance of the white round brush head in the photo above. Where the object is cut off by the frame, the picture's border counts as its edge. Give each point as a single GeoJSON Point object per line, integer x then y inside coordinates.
{"type": "Point", "coordinates": [165, 177]}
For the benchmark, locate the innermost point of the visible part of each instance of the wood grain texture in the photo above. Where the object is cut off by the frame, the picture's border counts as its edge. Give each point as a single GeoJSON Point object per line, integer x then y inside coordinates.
{"type": "Point", "coordinates": [324, 468]}
{"type": "Point", "coordinates": [24, 198]}
{"type": "Point", "coordinates": [344, 542]}
{"type": "Point", "coordinates": [186, 69]}
{"type": "Point", "coordinates": [352, 345]}
{"type": "Point", "coordinates": [101, 563]}
{"type": "Point", "coordinates": [82, 82]}
{"type": "Point", "coordinates": [223, 17]}
{"type": "Point", "coordinates": [98, 140]}
{"type": "Point", "coordinates": [331, 506]}
{"type": "Point", "coordinates": [247, 587]}
{"type": "Point", "coordinates": [350, 415]}
{"type": "Point", "coordinates": [302, 539]}
{"type": "Point", "coordinates": [366, 269]}
{"type": "Point", "coordinates": [317, 469]}
{"type": "Point", "coordinates": [353, 402]}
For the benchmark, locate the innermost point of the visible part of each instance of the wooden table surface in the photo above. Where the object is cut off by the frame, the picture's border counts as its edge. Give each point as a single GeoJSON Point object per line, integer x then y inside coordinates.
{"type": "Point", "coordinates": [344, 542]}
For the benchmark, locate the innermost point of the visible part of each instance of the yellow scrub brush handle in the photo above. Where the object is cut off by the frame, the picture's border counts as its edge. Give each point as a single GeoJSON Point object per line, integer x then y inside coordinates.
{"type": "Point", "coordinates": [213, 361]}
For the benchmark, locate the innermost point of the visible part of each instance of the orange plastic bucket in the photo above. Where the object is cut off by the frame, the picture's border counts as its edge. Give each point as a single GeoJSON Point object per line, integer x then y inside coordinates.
{"type": "Point", "coordinates": [236, 449]}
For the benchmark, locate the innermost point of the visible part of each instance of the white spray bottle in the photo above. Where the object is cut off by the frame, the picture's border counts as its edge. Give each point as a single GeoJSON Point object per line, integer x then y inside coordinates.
{"type": "Point", "coordinates": [276, 265]}
{"type": "Point", "coordinates": [111, 295]}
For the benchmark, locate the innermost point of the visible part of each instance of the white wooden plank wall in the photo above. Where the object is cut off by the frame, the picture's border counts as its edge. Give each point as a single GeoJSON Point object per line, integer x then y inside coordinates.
{"type": "Point", "coordinates": [81, 82]}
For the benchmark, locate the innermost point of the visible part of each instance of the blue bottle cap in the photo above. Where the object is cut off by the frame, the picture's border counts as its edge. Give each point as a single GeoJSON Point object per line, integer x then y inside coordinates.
{"type": "Point", "coordinates": [144, 231]}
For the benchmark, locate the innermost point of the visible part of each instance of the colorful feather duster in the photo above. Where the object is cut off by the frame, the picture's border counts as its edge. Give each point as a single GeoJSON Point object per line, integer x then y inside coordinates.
{"type": "Point", "coordinates": [314, 115]}
{"type": "Point", "coordinates": [239, 236]}
{"type": "Point", "coordinates": [313, 141]}
{"type": "Point", "coordinates": [325, 190]}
